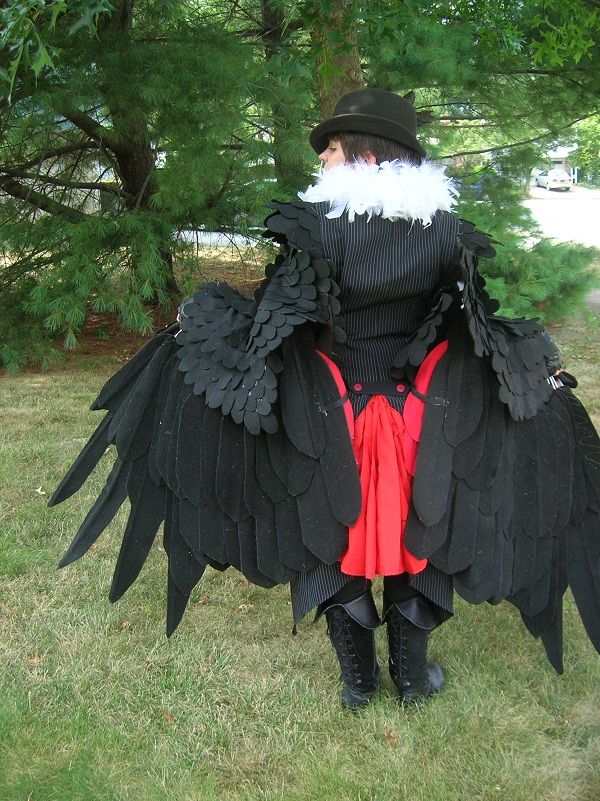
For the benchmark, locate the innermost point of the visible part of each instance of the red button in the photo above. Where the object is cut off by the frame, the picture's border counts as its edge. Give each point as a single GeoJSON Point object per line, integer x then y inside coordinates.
{"type": "Point", "coordinates": [357, 387]}
{"type": "Point", "coordinates": [400, 387]}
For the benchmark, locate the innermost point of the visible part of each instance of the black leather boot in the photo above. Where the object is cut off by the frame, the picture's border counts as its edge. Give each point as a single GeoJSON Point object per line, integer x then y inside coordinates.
{"type": "Point", "coordinates": [408, 625]}
{"type": "Point", "coordinates": [351, 628]}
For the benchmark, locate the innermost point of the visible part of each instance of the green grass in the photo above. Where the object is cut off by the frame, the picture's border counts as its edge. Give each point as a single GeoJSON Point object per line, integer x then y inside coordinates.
{"type": "Point", "coordinates": [97, 705]}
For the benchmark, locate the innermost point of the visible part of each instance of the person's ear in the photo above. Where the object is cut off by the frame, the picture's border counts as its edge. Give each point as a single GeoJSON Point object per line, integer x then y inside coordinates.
{"type": "Point", "coordinates": [370, 158]}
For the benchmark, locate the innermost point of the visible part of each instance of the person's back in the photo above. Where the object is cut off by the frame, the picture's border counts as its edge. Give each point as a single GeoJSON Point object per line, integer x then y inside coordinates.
{"type": "Point", "coordinates": [387, 273]}
{"type": "Point", "coordinates": [389, 251]}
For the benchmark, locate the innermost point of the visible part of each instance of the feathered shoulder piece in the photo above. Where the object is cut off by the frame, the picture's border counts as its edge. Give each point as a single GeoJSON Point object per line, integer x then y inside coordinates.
{"type": "Point", "coordinates": [393, 190]}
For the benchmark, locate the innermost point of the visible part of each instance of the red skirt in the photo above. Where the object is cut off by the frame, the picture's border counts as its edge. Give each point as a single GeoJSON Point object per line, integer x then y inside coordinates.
{"type": "Point", "coordinates": [385, 445]}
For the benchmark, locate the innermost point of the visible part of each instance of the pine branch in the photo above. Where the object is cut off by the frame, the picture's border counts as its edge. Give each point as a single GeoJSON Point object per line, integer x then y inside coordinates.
{"type": "Point", "coordinates": [95, 130]}
{"type": "Point", "coordinates": [57, 152]}
{"type": "Point", "coordinates": [24, 266]}
{"type": "Point", "coordinates": [459, 118]}
{"type": "Point", "coordinates": [40, 201]}
{"type": "Point", "coordinates": [101, 144]}
{"type": "Point", "coordinates": [267, 34]}
{"type": "Point", "coordinates": [244, 13]}
{"type": "Point", "coordinates": [48, 179]}
{"type": "Point", "coordinates": [212, 202]}
{"type": "Point", "coordinates": [443, 105]}
{"type": "Point", "coordinates": [143, 189]}
{"type": "Point", "coordinates": [496, 148]}
{"type": "Point", "coordinates": [559, 74]}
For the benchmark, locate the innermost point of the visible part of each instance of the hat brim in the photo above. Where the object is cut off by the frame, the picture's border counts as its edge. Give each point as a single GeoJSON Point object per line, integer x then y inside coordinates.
{"type": "Point", "coordinates": [363, 123]}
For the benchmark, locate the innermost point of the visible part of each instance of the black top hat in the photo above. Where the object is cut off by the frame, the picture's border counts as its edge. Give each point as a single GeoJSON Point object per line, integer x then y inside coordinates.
{"type": "Point", "coordinates": [371, 111]}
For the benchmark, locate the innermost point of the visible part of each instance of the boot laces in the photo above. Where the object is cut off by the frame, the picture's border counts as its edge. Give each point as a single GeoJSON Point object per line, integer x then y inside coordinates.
{"type": "Point", "coordinates": [339, 631]}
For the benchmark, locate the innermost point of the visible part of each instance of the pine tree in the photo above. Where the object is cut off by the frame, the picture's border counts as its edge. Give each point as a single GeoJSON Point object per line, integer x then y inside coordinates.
{"type": "Point", "coordinates": [129, 140]}
{"type": "Point", "coordinates": [126, 124]}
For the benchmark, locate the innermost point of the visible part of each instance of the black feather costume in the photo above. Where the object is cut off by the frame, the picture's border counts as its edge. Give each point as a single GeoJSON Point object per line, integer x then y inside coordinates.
{"type": "Point", "coordinates": [228, 428]}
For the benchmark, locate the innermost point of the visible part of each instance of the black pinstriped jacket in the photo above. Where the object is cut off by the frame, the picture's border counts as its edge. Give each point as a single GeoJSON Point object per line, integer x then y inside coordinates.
{"type": "Point", "coordinates": [388, 272]}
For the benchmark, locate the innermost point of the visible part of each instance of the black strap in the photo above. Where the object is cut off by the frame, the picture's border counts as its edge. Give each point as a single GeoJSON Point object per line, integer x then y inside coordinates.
{"type": "Point", "coordinates": [395, 389]}
{"type": "Point", "coordinates": [432, 400]}
{"type": "Point", "coordinates": [385, 387]}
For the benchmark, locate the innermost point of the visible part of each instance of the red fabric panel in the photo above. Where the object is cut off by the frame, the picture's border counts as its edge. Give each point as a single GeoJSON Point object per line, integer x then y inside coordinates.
{"type": "Point", "coordinates": [375, 540]}
{"type": "Point", "coordinates": [414, 408]}
{"type": "Point", "coordinates": [385, 445]}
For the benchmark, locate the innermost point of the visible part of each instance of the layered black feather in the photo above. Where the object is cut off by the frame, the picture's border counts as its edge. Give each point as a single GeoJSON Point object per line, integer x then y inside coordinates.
{"type": "Point", "coordinates": [229, 430]}
{"type": "Point", "coordinates": [516, 349]}
{"type": "Point", "coordinates": [229, 345]}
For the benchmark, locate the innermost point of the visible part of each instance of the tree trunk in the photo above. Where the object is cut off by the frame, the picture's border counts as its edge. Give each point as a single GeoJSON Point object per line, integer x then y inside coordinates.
{"type": "Point", "coordinates": [290, 171]}
{"type": "Point", "coordinates": [338, 65]}
{"type": "Point", "coordinates": [133, 151]}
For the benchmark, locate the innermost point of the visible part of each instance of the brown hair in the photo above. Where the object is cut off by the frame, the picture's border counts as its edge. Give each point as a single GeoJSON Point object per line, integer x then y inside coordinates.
{"type": "Point", "coordinates": [357, 145]}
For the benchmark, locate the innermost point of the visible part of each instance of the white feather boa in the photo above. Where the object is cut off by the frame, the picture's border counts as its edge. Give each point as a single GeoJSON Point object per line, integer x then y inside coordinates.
{"type": "Point", "coordinates": [394, 190]}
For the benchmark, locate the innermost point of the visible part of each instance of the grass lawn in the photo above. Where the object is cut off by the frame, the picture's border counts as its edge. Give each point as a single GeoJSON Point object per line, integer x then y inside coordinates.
{"type": "Point", "coordinates": [97, 705]}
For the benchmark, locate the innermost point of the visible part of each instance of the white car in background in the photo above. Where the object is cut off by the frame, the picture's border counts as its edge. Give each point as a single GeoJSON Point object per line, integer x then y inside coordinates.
{"type": "Point", "coordinates": [554, 179]}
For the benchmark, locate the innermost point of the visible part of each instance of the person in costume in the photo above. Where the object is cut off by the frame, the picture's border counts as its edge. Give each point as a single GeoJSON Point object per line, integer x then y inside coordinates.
{"type": "Point", "coordinates": [387, 225]}
{"type": "Point", "coordinates": [366, 413]}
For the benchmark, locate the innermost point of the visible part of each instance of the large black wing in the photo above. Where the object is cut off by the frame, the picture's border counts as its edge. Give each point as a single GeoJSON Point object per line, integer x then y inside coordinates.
{"type": "Point", "coordinates": [514, 511]}
{"type": "Point", "coordinates": [228, 429]}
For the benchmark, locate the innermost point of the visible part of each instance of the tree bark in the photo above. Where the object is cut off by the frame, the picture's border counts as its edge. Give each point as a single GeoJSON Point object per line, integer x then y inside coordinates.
{"type": "Point", "coordinates": [130, 140]}
{"type": "Point", "coordinates": [338, 65]}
